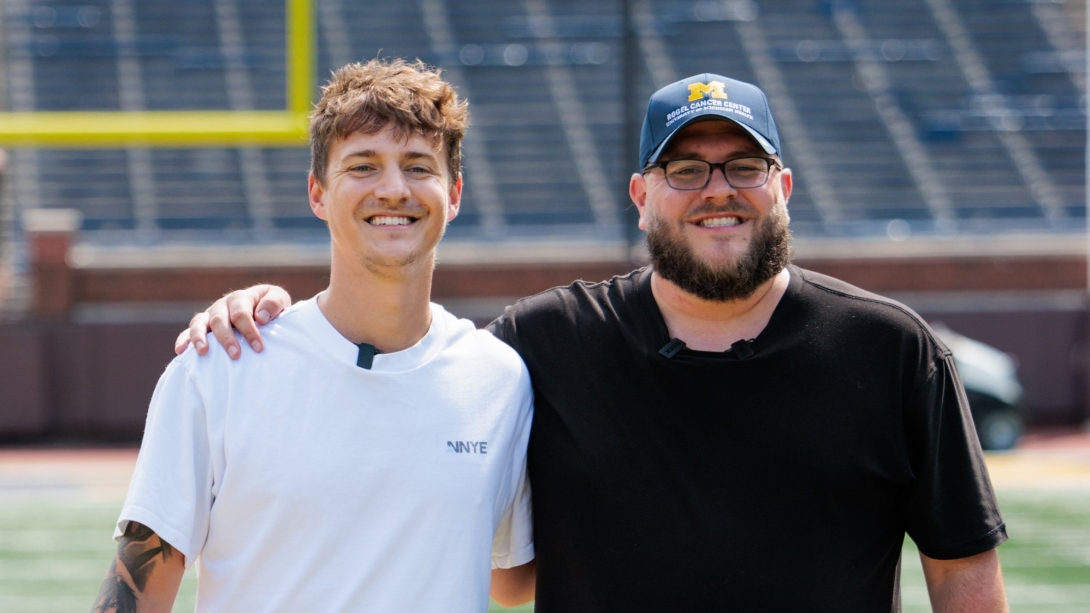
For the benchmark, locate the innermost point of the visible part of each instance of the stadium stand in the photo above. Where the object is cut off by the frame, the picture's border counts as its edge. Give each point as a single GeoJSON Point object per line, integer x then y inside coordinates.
{"type": "Point", "coordinates": [964, 116]}
{"type": "Point", "coordinates": [901, 116]}
{"type": "Point", "coordinates": [937, 145]}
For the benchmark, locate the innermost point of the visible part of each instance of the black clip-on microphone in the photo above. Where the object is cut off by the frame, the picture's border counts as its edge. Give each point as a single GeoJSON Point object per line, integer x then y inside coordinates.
{"type": "Point", "coordinates": [670, 349]}
{"type": "Point", "coordinates": [742, 349]}
{"type": "Point", "coordinates": [366, 356]}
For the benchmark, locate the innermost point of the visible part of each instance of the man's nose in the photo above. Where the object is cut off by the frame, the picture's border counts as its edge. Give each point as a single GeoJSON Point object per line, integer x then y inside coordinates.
{"type": "Point", "coordinates": [392, 185]}
{"type": "Point", "coordinates": [718, 184]}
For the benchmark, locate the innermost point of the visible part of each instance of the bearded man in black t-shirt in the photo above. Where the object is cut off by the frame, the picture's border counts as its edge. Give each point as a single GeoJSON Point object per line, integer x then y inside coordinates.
{"type": "Point", "coordinates": [722, 431]}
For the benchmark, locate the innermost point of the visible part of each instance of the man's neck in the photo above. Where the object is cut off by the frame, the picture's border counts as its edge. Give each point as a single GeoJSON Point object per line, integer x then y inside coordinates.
{"type": "Point", "coordinates": [386, 309]}
{"type": "Point", "coordinates": [708, 325]}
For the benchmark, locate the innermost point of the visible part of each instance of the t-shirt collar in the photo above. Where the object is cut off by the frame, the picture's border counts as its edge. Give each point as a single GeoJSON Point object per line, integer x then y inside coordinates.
{"type": "Point", "coordinates": [660, 334]}
{"type": "Point", "coordinates": [325, 335]}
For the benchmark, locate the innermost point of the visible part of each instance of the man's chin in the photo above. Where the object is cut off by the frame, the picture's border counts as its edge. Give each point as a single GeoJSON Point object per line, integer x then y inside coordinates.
{"type": "Point", "coordinates": [397, 263]}
{"type": "Point", "coordinates": [401, 260]}
{"type": "Point", "coordinates": [719, 270]}
{"type": "Point", "coordinates": [721, 256]}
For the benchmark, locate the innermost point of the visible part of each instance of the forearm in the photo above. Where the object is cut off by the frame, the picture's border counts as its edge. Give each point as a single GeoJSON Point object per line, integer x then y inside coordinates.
{"type": "Point", "coordinates": [514, 586]}
{"type": "Point", "coordinates": [144, 576]}
{"type": "Point", "coordinates": [966, 585]}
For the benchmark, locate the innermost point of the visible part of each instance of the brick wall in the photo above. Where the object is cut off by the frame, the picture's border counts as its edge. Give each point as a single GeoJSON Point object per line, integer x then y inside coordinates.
{"type": "Point", "coordinates": [60, 378]}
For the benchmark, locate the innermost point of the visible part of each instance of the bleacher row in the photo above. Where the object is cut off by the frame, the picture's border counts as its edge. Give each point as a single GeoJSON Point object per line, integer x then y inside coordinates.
{"type": "Point", "coordinates": [950, 115]}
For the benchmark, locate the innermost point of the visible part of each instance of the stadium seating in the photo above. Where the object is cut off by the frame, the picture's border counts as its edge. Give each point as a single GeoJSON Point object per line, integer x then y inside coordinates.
{"type": "Point", "coordinates": [549, 152]}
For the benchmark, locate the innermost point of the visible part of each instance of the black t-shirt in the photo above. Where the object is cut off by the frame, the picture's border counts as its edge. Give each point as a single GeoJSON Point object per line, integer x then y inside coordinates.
{"type": "Point", "coordinates": [784, 481]}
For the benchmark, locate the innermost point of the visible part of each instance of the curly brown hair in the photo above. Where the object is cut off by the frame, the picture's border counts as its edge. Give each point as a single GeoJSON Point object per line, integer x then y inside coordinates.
{"type": "Point", "coordinates": [410, 96]}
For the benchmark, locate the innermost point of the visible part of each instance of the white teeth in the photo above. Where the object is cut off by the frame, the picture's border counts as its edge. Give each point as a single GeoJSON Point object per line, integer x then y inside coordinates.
{"type": "Point", "coordinates": [715, 222]}
{"type": "Point", "coordinates": [390, 220]}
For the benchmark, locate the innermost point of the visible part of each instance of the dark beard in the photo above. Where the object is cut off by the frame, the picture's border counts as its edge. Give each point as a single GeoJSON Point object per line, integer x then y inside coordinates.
{"type": "Point", "coordinates": [769, 253]}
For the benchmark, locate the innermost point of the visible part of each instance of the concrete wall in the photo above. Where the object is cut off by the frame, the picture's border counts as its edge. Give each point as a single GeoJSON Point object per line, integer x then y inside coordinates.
{"type": "Point", "coordinates": [25, 402]}
{"type": "Point", "coordinates": [94, 381]}
{"type": "Point", "coordinates": [70, 380]}
{"type": "Point", "coordinates": [73, 370]}
{"type": "Point", "coordinates": [1050, 348]}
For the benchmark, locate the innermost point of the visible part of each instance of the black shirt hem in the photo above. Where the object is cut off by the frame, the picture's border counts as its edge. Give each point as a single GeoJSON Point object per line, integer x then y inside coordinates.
{"type": "Point", "coordinates": [986, 542]}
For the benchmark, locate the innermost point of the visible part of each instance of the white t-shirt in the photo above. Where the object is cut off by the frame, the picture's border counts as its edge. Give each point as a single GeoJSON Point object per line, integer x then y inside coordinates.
{"type": "Point", "coordinates": [301, 482]}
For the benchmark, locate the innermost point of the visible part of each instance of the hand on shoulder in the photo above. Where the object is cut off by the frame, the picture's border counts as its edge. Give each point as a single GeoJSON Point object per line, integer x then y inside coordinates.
{"type": "Point", "coordinates": [242, 311]}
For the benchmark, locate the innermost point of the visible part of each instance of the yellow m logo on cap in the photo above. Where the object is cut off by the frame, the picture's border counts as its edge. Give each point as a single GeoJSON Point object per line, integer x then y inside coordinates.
{"type": "Point", "coordinates": [699, 90]}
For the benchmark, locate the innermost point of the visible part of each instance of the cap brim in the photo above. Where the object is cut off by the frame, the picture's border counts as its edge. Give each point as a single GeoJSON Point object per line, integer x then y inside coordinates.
{"type": "Point", "coordinates": [762, 141]}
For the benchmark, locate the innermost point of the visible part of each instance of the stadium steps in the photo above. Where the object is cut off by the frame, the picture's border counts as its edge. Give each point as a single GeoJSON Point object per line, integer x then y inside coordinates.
{"type": "Point", "coordinates": [519, 123]}
{"type": "Point", "coordinates": [201, 192]}
{"type": "Point", "coordinates": [866, 168]}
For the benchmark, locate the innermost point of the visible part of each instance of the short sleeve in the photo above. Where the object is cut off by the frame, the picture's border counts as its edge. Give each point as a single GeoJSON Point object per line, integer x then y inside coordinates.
{"type": "Point", "coordinates": [171, 487]}
{"type": "Point", "coordinates": [503, 327]}
{"type": "Point", "coordinates": [952, 510]}
{"type": "Point", "coordinates": [513, 544]}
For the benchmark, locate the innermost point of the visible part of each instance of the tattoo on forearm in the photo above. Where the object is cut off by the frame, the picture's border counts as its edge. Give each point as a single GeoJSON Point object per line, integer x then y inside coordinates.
{"type": "Point", "coordinates": [138, 552]}
{"type": "Point", "coordinates": [115, 596]}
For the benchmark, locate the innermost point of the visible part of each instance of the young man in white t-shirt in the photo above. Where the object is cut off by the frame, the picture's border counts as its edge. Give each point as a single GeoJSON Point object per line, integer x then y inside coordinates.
{"type": "Point", "coordinates": [372, 456]}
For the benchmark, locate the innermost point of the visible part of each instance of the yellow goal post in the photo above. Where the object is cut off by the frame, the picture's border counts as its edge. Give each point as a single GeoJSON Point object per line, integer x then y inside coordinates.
{"type": "Point", "coordinates": [109, 129]}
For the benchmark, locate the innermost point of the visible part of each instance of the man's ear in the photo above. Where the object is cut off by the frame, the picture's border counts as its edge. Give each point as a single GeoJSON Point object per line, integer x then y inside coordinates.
{"type": "Point", "coordinates": [637, 191]}
{"type": "Point", "coordinates": [786, 183]}
{"type": "Point", "coordinates": [455, 198]}
{"type": "Point", "coordinates": [315, 191]}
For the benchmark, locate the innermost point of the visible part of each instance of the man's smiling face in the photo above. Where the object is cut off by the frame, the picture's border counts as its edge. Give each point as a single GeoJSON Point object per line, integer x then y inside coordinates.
{"type": "Point", "coordinates": [386, 197]}
{"type": "Point", "coordinates": [718, 242]}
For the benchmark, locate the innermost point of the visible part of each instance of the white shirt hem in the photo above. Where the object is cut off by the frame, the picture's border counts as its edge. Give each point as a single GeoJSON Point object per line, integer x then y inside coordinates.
{"type": "Point", "coordinates": [511, 560]}
{"type": "Point", "coordinates": [157, 525]}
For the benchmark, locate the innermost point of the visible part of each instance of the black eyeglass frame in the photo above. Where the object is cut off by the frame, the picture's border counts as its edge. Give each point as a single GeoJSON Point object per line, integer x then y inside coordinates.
{"type": "Point", "coordinates": [722, 166]}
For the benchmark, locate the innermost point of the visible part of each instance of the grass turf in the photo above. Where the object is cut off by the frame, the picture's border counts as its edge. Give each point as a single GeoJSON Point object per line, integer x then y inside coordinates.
{"type": "Point", "coordinates": [1046, 562]}
{"type": "Point", "coordinates": [55, 552]}
{"type": "Point", "coordinates": [55, 548]}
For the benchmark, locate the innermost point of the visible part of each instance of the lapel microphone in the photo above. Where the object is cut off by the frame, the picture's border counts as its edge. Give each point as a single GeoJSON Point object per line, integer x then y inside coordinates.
{"type": "Point", "coordinates": [670, 349]}
{"type": "Point", "coordinates": [742, 349]}
{"type": "Point", "coordinates": [366, 356]}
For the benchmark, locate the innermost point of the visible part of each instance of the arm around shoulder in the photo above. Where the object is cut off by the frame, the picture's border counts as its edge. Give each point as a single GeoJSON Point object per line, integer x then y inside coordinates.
{"type": "Point", "coordinates": [241, 310]}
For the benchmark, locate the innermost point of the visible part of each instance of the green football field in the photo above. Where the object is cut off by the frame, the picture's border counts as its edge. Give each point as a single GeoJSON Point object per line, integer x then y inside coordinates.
{"type": "Point", "coordinates": [56, 517]}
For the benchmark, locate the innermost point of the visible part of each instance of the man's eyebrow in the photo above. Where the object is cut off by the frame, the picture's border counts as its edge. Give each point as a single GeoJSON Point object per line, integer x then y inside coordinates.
{"type": "Point", "coordinates": [410, 155]}
{"type": "Point", "coordinates": [686, 154]}
{"type": "Point", "coordinates": [366, 153]}
{"type": "Point", "coordinates": [418, 155]}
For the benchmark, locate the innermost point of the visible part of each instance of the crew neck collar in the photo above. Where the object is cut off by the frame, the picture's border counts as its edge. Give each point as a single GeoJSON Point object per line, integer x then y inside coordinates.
{"type": "Point", "coordinates": [660, 334]}
{"type": "Point", "coordinates": [325, 335]}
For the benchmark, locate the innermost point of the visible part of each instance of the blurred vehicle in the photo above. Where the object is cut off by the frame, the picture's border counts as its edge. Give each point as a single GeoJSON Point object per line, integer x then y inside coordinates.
{"type": "Point", "coordinates": [991, 384]}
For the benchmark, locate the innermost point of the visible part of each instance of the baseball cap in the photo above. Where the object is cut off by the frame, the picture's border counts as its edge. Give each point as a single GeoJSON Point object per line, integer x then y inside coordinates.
{"type": "Point", "coordinates": [701, 97]}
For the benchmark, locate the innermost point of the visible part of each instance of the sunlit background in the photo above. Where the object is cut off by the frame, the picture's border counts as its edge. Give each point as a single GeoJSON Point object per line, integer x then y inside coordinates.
{"type": "Point", "coordinates": [938, 148]}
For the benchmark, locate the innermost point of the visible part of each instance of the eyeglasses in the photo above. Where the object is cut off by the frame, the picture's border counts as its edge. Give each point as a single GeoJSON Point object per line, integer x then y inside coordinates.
{"type": "Point", "coordinates": [740, 173]}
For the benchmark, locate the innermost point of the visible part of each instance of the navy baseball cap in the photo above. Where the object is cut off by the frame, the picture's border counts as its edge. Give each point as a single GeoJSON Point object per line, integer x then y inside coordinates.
{"type": "Point", "coordinates": [702, 97]}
